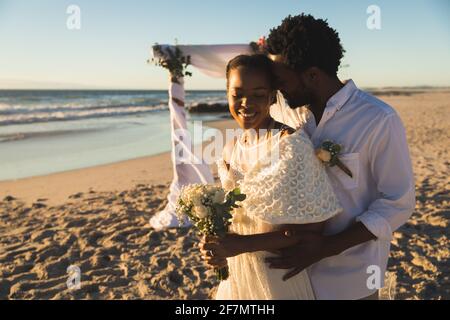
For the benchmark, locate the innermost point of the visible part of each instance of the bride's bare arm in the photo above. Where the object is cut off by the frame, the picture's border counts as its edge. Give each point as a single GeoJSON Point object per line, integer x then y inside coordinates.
{"type": "Point", "coordinates": [282, 236]}
{"type": "Point", "coordinates": [215, 250]}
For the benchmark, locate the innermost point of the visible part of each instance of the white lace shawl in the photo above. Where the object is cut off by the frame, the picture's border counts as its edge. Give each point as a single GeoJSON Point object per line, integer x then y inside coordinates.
{"type": "Point", "coordinates": [294, 189]}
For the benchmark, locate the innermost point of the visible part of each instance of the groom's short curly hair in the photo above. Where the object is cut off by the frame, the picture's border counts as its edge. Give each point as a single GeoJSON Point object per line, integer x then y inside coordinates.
{"type": "Point", "coordinates": [306, 42]}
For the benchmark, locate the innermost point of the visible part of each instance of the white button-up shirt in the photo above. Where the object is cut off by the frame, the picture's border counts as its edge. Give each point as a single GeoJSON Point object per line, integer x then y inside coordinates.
{"type": "Point", "coordinates": [381, 193]}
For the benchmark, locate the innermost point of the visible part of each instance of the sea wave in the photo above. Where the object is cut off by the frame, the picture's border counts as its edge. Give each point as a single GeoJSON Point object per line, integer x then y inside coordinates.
{"type": "Point", "coordinates": [37, 117]}
{"type": "Point", "coordinates": [25, 107]}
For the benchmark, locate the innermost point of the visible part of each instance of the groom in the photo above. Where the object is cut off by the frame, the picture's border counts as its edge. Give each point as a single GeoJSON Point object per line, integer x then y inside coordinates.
{"type": "Point", "coordinates": [349, 260]}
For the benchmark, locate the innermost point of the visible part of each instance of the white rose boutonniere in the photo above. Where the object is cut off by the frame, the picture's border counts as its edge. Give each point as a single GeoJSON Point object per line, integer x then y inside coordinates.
{"type": "Point", "coordinates": [328, 153]}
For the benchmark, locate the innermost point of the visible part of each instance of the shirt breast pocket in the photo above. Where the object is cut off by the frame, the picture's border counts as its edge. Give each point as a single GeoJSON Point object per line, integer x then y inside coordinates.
{"type": "Point", "coordinates": [351, 161]}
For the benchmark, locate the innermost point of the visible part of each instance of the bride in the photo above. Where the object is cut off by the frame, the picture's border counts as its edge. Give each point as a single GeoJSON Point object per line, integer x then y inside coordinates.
{"type": "Point", "coordinates": [288, 192]}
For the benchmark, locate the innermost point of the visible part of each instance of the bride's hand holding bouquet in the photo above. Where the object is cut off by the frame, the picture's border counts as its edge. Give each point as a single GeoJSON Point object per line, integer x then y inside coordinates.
{"type": "Point", "coordinates": [209, 209]}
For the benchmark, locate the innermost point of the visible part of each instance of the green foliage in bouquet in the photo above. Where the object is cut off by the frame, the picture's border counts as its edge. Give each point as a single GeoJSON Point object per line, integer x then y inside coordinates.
{"type": "Point", "coordinates": [218, 220]}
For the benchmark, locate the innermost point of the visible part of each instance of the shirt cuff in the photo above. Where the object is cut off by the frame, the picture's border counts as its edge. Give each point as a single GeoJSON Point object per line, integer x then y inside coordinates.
{"type": "Point", "coordinates": [376, 224]}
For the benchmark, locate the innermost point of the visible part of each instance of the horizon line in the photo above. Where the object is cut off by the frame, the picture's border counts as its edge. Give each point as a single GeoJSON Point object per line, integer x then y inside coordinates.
{"type": "Point", "coordinates": [165, 89]}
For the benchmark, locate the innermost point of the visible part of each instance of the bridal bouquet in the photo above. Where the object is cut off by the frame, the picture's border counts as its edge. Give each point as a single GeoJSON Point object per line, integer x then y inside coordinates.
{"type": "Point", "coordinates": [209, 209]}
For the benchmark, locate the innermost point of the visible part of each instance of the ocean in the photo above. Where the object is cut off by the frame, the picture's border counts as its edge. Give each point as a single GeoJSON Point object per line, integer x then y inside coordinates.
{"type": "Point", "coordinates": [49, 131]}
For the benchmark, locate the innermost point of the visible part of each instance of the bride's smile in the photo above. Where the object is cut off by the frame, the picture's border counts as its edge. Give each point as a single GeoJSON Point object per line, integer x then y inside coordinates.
{"type": "Point", "coordinates": [247, 115]}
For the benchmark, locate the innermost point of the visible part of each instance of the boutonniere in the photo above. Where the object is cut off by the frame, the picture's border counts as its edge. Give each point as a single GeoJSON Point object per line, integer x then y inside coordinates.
{"type": "Point", "coordinates": [328, 153]}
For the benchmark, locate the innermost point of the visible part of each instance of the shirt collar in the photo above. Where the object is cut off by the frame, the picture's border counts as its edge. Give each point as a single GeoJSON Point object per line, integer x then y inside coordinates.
{"type": "Point", "coordinates": [337, 101]}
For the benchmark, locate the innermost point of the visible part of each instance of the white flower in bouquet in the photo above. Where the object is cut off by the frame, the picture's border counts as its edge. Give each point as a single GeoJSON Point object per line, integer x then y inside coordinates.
{"type": "Point", "coordinates": [219, 196]}
{"type": "Point", "coordinates": [201, 211]}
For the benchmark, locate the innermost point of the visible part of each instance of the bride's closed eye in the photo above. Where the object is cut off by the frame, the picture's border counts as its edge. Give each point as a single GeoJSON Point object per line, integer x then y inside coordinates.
{"type": "Point", "coordinates": [235, 94]}
{"type": "Point", "coordinates": [239, 96]}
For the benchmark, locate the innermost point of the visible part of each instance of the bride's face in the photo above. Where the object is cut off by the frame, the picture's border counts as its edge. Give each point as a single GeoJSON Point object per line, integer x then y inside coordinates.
{"type": "Point", "coordinates": [249, 97]}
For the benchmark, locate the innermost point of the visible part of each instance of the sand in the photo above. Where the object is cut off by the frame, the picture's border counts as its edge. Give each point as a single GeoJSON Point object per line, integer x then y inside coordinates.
{"type": "Point", "coordinates": [97, 219]}
{"type": "Point", "coordinates": [421, 248]}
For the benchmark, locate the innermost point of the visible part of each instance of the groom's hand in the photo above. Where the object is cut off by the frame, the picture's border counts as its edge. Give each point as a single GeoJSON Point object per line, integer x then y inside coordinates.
{"type": "Point", "coordinates": [311, 248]}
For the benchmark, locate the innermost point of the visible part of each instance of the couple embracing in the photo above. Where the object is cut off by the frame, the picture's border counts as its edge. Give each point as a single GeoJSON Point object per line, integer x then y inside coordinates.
{"type": "Point", "coordinates": [309, 230]}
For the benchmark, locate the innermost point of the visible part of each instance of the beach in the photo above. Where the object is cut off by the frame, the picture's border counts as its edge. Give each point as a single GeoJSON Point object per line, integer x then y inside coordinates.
{"type": "Point", "coordinates": [96, 218]}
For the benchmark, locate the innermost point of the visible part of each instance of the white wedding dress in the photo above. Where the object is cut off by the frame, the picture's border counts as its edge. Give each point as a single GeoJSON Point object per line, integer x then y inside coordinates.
{"type": "Point", "coordinates": [284, 184]}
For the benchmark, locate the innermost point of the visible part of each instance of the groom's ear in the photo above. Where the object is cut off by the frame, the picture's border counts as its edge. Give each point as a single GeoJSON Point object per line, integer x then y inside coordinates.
{"type": "Point", "coordinates": [313, 73]}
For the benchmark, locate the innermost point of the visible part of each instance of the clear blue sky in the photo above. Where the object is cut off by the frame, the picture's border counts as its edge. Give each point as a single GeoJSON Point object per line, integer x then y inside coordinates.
{"type": "Point", "coordinates": [38, 51]}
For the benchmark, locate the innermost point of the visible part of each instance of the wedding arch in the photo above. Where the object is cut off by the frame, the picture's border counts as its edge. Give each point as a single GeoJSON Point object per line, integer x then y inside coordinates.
{"type": "Point", "coordinates": [211, 60]}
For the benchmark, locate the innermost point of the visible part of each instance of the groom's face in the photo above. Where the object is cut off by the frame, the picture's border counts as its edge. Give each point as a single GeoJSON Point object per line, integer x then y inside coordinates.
{"type": "Point", "coordinates": [291, 83]}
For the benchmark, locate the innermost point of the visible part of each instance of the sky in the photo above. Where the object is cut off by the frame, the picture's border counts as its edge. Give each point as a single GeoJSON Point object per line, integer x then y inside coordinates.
{"type": "Point", "coordinates": [110, 50]}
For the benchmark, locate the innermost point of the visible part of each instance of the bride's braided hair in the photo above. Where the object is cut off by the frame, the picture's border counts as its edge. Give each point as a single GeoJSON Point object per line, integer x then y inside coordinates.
{"type": "Point", "coordinates": [307, 42]}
